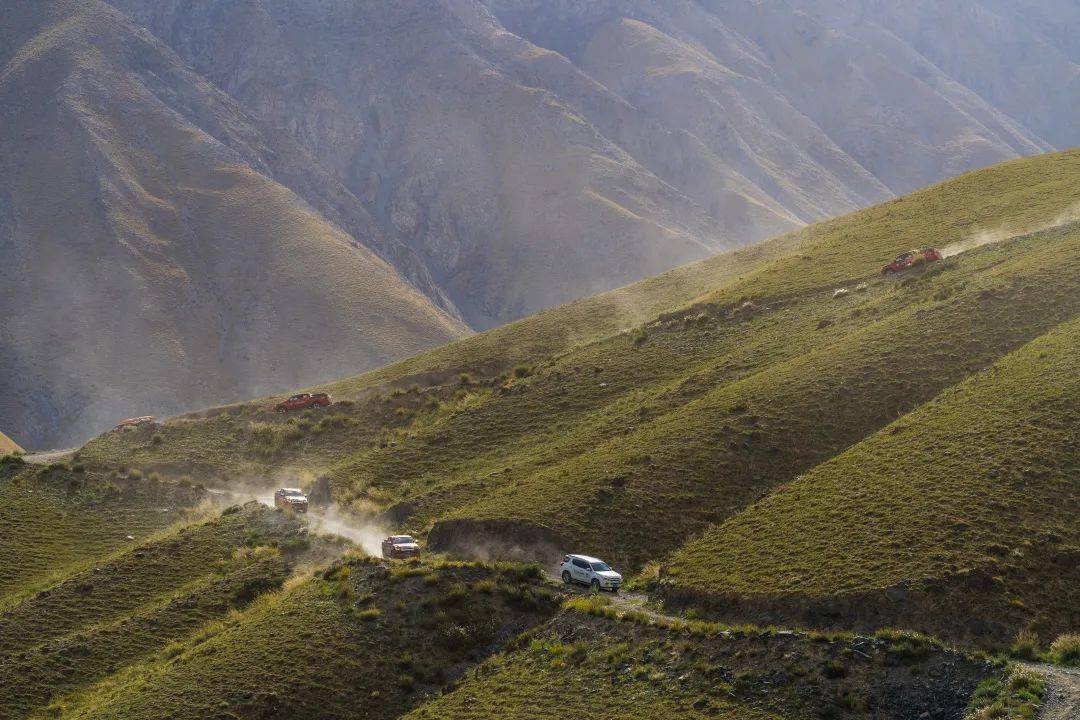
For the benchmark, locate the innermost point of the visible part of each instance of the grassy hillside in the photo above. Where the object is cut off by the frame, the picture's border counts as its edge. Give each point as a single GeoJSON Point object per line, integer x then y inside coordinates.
{"type": "Point", "coordinates": [602, 667]}
{"type": "Point", "coordinates": [206, 441]}
{"type": "Point", "coordinates": [357, 640]}
{"type": "Point", "coordinates": [546, 436]}
{"type": "Point", "coordinates": [89, 623]}
{"type": "Point", "coordinates": [56, 520]}
{"type": "Point", "coordinates": [968, 502]}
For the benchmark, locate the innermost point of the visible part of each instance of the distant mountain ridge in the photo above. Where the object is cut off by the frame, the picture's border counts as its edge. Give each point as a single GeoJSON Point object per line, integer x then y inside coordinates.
{"type": "Point", "coordinates": [533, 152]}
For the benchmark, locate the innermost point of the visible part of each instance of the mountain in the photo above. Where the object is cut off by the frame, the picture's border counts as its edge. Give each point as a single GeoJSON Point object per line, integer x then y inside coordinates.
{"type": "Point", "coordinates": [445, 166]}
{"type": "Point", "coordinates": [779, 437]}
{"type": "Point", "coordinates": [590, 427]}
{"type": "Point", "coordinates": [153, 262]}
{"type": "Point", "coordinates": [531, 153]}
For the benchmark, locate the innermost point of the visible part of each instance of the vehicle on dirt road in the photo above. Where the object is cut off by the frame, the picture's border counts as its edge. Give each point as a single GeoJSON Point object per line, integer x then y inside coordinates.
{"type": "Point", "coordinates": [399, 547]}
{"type": "Point", "coordinates": [910, 259]}
{"type": "Point", "coordinates": [292, 499]}
{"type": "Point", "coordinates": [589, 571]}
{"type": "Point", "coordinates": [134, 422]}
{"type": "Point", "coordinates": [303, 401]}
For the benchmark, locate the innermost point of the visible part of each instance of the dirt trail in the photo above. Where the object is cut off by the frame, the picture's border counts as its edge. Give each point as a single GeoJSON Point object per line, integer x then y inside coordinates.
{"type": "Point", "coordinates": [49, 456]}
{"type": "Point", "coordinates": [1062, 699]}
{"type": "Point", "coordinates": [627, 601]}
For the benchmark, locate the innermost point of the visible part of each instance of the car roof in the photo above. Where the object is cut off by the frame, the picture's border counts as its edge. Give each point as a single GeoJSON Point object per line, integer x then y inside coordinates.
{"type": "Point", "coordinates": [586, 558]}
{"type": "Point", "coordinates": [291, 490]}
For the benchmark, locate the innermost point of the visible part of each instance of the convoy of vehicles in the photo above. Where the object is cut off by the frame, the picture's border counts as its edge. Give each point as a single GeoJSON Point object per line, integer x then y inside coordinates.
{"type": "Point", "coordinates": [910, 259]}
{"type": "Point", "coordinates": [399, 547]}
{"type": "Point", "coordinates": [589, 571]}
{"type": "Point", "coordinates": [291, 498]}
{"type": "Point", "coordinates": [302, 401]}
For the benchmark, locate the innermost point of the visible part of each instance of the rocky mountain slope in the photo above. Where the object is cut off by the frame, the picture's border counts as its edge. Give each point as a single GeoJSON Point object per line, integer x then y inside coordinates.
{"type": "Point", "coordinates": [152, 261]}
{"type": "Point", "coordinates": [532, 152]}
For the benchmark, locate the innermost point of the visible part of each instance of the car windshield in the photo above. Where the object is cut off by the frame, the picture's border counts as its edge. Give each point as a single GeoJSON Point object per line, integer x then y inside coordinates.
{"type": "Point", "coordinates": [401, 540]}
{"type": "Point", "coordinates": [294, 493]}
{"type": "Point", "coordinates": [600, 566]}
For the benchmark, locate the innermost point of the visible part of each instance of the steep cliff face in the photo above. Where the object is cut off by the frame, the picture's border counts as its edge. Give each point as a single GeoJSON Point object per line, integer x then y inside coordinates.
{"type": "Point", "coordinates": [151, 264]}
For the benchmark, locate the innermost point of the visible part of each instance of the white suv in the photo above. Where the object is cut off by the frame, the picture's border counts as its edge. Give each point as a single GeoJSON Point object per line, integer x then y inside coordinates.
{"type": "Point", "coordinates": [589, 571]}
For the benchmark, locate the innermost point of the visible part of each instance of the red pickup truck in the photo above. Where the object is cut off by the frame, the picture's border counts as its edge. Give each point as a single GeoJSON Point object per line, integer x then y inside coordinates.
{"type": "Point", "coordinates": [910, 259]}
{"type": "Point", "coordinates": [303, 401]}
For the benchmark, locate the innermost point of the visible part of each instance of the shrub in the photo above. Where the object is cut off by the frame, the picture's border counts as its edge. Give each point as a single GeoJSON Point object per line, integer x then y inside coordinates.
{"type": "Point", "coordinates": [157, 438]}
{"type": "Point", "coordinates": [369, 614]}
{"type": "Point", "coordinates": [1066, 649]}
{"type": "Point", "coordinates": [1026, 646]}
{"type": "Point", "coordinates": [487, 586]}
{"type": "Point", "coordinates": [457, 594]}
{"type": "Point", "coordinates": [521, 573]}
{"type": "Point", "coordinates": [1017, 698]}
{"type": "Point", "coordinates": [834, 669]}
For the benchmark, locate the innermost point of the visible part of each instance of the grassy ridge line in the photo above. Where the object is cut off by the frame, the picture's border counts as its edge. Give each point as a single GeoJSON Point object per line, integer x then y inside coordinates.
{"type": "Point", "coordinates": [1014, 198]}
{"type": "Point", "coordinates": [55, 522]}
{"type": "Point", "coordinates": [354, 641]}
{"type": "Point", "coordinates": [1018, 193]}
{"type": "Point", "coordinates": [981, 479]}
{"type": "Point", "coordinates": [716, 453]}
{"type": "Point", "coordinates": [34, 677]}
{"type": "Point", "coordinates": [561, 328]}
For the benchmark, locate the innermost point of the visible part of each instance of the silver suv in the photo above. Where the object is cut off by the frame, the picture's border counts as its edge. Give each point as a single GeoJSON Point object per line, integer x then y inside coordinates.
{"type": "Point", "coordinates": [589, 571]}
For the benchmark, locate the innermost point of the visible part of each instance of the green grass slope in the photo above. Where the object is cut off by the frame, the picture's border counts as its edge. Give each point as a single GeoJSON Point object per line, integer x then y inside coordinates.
{"type": "Point", "coordinates": [582, 666]}
{"type": "Point", "coordinates": [359, 640]}
{"type": "Point", "coordinates": [964, 509]}
{"type": "Point", "coordinates": [56, 520]}
{"type": "Point", "coordinates": [92, 622]}
{"type": "Point", "coordinates": [688, 418]}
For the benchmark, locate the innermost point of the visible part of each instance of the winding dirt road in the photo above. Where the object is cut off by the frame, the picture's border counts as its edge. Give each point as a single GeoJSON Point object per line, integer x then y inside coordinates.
{"type": "Point", "coordinates": [1062, 699]}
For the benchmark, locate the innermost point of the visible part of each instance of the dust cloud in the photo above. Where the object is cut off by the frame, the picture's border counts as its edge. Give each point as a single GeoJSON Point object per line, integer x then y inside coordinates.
{"type": "Point", "coordinates": [1007, 232]}
{"type": "Point", "coordinates": [366, 534]}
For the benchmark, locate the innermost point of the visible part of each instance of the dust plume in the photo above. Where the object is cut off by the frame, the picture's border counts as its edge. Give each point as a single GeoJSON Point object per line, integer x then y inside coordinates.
{"type": "Point", "coordinates": [1008, 232]}
{"type": "Point", "coordinates": [366, 533]}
